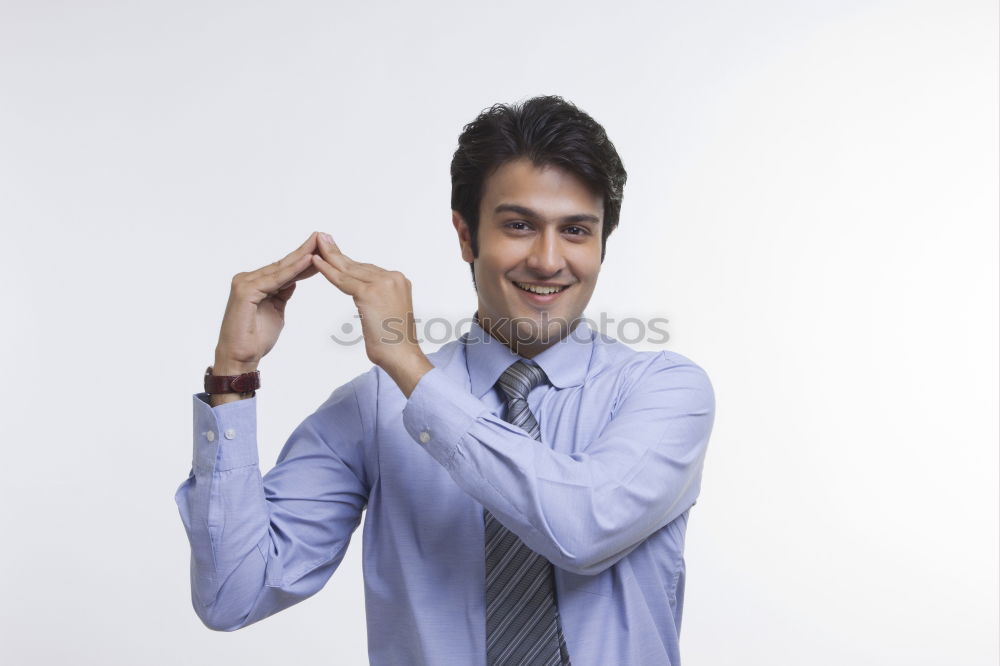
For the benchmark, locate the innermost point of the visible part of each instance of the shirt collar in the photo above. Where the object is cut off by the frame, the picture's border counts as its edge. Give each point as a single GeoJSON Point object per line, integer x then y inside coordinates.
{"type": "Point", "coordinates": [565, 363]}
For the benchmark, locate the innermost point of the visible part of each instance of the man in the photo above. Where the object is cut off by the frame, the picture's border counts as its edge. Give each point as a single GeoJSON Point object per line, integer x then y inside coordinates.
{"type": "Point", "coordinates": [527, 486]}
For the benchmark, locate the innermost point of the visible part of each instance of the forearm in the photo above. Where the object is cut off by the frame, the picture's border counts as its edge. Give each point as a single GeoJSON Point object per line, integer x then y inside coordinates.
{"type": "Point", "coordinates": [583, 512]}
{"type": "Point", "coordinates": [224, 513]}
{"type": "Point", "coordinates": [227, 569]}
{"type": "Point", "coordinates": [262, 544]}
{"type": "Point", "coordinates": [582, 505]}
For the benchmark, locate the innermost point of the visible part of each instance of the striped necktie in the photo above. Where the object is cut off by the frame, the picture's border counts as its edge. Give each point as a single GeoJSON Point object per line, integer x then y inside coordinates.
{"type": "Point", "coordinates": [522, 617]}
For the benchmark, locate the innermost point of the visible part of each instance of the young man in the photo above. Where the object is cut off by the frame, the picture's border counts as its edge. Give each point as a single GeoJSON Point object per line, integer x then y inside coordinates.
{"type": "Point", "coordinates": [527, 486]}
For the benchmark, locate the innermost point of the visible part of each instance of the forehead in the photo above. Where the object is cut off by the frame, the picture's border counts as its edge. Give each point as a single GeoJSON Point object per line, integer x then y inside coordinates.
{"type": "Point", "coordinates": [550, 190]}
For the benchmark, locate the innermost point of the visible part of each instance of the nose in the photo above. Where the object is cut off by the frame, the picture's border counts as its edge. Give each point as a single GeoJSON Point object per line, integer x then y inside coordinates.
{"type": "Point", "coordinates": [546, 256]}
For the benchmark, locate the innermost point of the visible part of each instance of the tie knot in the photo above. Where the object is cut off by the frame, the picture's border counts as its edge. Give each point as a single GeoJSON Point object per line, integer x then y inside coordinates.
{"type": "Point", "coordinates": [517, 380]}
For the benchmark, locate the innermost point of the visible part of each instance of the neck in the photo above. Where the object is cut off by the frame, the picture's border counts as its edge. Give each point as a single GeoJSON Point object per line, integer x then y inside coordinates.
{"type": "Point", "coordinates": [527, 338]}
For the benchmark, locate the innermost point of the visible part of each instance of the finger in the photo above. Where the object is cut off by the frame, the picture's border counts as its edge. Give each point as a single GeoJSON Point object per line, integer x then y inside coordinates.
{"type": "Point", "coordinates": [304, 274]}
{"type": "Point", "coordinates": [340, 279]}
{"type": "Point", "coordinates": [307, 272]}
{"type": "Point", "coordinates": [326, 242]}
{"type": "Point", "coordinates": [333, 255]}
{"type": "Point", "coordinates": [277, 269]}
{"type": "Point", "coordinates": [331, 252]}
{"type": "Point", "coordinates": [307, 248]}
{"type": "Point", "coordinates": [271, 281]}
{"type": "Point", "coordinates": [369, 271]}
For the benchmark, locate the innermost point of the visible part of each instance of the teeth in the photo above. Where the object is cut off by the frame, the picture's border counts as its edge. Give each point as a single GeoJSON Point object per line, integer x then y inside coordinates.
{"type": "Point", "coordinates": [538, 290]}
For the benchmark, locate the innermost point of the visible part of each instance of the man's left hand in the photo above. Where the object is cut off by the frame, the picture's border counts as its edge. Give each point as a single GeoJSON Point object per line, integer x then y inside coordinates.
{"type": "Point", "coordinates": [385, 304]}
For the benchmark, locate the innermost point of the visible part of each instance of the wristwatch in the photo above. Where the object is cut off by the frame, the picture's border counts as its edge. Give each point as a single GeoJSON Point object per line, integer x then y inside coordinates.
{"type": "Point", "coordinates": [243, 384]}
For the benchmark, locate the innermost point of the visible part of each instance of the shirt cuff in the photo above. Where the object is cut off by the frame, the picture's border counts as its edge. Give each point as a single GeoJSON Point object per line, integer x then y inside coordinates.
{"type": "Point", "coordinates": [439, 413]}
{"type": "Point", "coordinates": [225, 437]}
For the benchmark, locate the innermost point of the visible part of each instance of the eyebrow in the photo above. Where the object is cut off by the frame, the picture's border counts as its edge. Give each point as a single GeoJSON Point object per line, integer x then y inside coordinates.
{"type": "Point", "coordinates": [527, 212]}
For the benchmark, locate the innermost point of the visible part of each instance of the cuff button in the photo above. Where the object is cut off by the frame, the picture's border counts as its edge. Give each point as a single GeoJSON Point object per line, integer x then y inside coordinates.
{"type": "Point", "coordinates": [229, 434]}
{"type": "Point", "coordinates": [425, 437]}
{"type": "Point", "coordinates": [210, 436]}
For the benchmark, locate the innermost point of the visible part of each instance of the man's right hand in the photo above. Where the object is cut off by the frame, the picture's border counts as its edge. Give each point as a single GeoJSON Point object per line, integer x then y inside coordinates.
{"type": "Point", "coordinates": [255, 313]}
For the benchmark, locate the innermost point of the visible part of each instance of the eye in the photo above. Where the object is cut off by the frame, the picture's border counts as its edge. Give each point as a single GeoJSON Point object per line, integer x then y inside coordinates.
{"type": "Point", "coordinates": [577, 231]}
{"type": "Point", "coordinates": [517, 225]}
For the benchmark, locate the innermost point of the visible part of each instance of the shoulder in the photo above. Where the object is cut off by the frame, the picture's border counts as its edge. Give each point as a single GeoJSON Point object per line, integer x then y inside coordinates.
{"type": "Point", "coordinates": [663, 370]}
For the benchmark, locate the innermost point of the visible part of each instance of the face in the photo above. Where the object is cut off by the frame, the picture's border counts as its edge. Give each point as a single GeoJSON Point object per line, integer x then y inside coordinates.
{"type": "Point", "coordinates": [539, 253]}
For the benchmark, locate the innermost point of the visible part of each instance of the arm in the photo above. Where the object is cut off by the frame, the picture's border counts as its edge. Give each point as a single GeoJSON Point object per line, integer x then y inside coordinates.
{"type": "Point", "coordinates": [584, 511]}
{"type": "Point", "coordinates": [260, 545]}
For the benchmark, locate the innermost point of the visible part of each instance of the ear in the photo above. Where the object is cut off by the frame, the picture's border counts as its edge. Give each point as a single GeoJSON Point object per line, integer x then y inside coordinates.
{"type": "Point", "coordinates": [464, 236]}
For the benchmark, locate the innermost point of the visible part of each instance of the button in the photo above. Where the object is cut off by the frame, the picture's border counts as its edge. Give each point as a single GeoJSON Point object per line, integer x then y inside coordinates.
{"type": "Point", "coordinates": [230, 433]}
{"type": "Point", "coordinates": [425, 437]}
{"type": "Point", "coordinates": [210, 436]}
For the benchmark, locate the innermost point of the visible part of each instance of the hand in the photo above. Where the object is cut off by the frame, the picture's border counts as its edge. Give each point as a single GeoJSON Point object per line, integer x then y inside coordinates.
{"type": "Point", "coordinates": [255, 313]}
{"type": "Point", "coordinates": [385, 305]}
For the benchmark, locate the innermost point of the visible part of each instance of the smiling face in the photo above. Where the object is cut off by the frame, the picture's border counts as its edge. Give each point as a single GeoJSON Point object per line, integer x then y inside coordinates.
{"type": "Point", "coordinates": [539, 243]}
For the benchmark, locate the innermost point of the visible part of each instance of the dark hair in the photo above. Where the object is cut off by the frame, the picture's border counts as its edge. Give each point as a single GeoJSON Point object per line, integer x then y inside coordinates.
{"type": "Point", "coordinates": [548, 130]}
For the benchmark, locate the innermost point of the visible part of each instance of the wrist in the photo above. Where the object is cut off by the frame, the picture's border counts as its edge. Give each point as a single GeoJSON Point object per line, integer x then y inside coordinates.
{"type": "Point", "coordinates": [406, 370]}
{"type": "Point", "coordinates": [216, 399]}
{"type": "Point", "coordinates": [223, 386]}
{"type": "Point", "coordinates": [223, 367]}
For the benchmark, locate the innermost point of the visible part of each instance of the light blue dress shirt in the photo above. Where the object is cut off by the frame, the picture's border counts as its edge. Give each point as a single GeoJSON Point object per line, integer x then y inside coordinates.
{"type": "Point", "coordinates": [604, 496]}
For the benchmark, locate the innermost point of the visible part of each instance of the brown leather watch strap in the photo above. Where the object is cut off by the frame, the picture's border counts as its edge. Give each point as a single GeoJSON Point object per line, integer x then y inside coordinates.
{"type": "Point", "coordinates": [248, 382]}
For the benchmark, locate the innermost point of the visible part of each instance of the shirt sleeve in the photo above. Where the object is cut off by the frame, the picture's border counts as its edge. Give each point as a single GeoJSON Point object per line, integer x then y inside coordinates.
{"type": "Point", "coordinates": [260, 545]}
{"type": "Point", "coordinates": [587, 510]}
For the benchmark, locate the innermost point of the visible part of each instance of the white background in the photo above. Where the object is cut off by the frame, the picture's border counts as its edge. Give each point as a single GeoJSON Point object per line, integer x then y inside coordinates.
{"type": "Point", "coordinates": [812, 203]}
